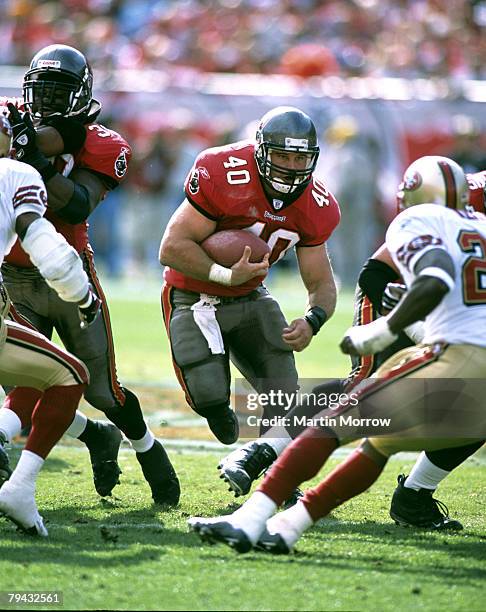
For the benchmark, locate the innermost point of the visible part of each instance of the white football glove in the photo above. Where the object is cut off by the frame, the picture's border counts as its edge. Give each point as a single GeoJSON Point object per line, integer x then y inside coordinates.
{"type": "Point", "coordinates": [368, 339]}
{"type": "Point", "coordinates": [391, 296]}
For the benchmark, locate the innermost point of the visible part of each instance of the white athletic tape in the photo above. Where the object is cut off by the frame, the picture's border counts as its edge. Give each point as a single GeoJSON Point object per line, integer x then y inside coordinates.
{"type": "Point", "coordinates": [56, 260]}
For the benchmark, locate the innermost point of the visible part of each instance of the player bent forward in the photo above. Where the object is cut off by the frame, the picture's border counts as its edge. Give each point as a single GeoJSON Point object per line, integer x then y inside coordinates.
{"type": "Point", "coordinates": [435, 246]}
{"type": "Point", "coordinates": [26, 357]}
{"type": "Point", "coordinates": [264, 186]}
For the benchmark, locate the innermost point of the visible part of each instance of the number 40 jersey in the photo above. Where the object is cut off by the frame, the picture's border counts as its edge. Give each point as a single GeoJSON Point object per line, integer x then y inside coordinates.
{"type": "Point", "coordinates": [224, 185]}
{"type": "Point", "coordinates": [461, 316]}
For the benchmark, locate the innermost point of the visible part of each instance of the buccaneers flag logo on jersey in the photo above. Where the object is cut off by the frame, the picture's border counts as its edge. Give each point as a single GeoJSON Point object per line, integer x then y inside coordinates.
{"type": "Point", "coordinates": [121, 163]}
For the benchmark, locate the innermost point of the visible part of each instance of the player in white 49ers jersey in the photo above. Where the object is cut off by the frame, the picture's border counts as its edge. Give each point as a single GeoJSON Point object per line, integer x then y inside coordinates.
{"type": "Point", "coordinates": [28, 359]}
{"type": "Point", "coordinates": [265, 187]}
{"type": "Point", "coordinates": [432, 394]}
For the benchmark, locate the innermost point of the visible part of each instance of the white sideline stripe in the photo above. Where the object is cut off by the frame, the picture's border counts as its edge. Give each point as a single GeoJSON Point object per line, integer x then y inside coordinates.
{"type": "Point", "coordinates": [94, 523]}
{"type": "Point", "coordinates": [207, 446]}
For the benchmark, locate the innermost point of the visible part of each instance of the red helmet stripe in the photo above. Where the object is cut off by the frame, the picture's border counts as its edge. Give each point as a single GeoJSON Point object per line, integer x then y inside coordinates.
{"type": "Point", "coordinates": [450, 182]}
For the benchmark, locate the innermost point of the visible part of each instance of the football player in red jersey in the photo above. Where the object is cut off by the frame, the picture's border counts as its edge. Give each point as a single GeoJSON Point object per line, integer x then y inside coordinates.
{"type": "Point", "coordinates": [213, 313]}
{"type": "Point", "coordinates": [91, 161]}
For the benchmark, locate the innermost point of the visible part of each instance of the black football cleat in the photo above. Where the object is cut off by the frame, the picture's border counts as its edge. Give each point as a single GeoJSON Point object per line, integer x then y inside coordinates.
{"type": "Point", "coordinates": [420, 509]}
{"type": "Point", "coordinates": [5, 469]}
{"type": "Point", "coordinates": [160, 475]}
{"type": "Point", "coordinates": [216, 530]}
{"type": "Point", "coordinates": [244, 465]}
{"type": "Point", "coordinates": [225, 426]}
{"type": "Point", "coordinates": [103, 445]}
{"type": "Point", "coordinates": [272, 543]}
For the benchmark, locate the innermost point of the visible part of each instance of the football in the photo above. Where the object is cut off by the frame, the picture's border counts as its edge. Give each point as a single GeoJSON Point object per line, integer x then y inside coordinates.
{"type": "Point", "coordinates": [226, 247]}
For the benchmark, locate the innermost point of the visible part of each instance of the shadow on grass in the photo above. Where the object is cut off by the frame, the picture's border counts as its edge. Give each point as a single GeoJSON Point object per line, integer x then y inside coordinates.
{"type": "Point", "coordinates": [85, 542]}
{"type": "Point", "coordinates": [401, 551]}
{"type": "Point", "coordinates": [52, 464]}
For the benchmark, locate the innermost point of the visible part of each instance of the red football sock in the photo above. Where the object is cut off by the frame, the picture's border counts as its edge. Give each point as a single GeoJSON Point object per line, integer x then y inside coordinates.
{"type": "Point", "coordinates": [300, 461]}
{"type": "Point", "coordinates": [350, 478]}
{"type": "Point", "coordinates": [52, 416]}
{"type": "Point", "coordinates": [22, 401]}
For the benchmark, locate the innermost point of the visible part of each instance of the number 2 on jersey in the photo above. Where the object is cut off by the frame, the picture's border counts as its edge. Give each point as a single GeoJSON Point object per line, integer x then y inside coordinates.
{"type": "Point", "coordinates": [474, 268]}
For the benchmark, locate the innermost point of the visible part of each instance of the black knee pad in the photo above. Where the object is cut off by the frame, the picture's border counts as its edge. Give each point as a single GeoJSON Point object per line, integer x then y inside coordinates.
{"type": "Point", "coordinates": [211, 410]}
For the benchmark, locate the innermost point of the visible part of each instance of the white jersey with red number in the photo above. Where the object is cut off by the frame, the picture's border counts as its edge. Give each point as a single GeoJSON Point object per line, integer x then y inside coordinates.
{"type": "Point", "coordinates": [224, 185]}
{"type": "Point", "coordinates": [21, 191]}
{"type": "Point", "coordinates": [461, 316]}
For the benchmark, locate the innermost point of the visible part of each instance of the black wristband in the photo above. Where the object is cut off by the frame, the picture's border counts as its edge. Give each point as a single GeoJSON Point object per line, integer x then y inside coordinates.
{"type": "Point", "coordinates": [316, 317]}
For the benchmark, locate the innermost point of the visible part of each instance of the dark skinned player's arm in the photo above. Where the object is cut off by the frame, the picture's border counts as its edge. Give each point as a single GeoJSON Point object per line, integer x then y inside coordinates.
{"type": "Point", "coordinates": [75, 197]}
{"type": "Point", "coordinates": [425, 293]}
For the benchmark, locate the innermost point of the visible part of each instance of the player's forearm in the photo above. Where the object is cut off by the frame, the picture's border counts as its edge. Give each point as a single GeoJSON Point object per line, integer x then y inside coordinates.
{"type": "Point", "coordinates": [185, 256]}
{"type": "Point", "coordinates": [49, 141]}
{"type": "Point", "coordinates": [59, 191]}
{"type": "Point", "coordinates": [424, 295]}
{"type": "Point", "coordinates": [323, 294]}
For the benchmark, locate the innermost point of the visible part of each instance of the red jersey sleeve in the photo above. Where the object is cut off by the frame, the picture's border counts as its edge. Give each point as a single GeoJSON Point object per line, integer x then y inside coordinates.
{"type": "Point", "coordinates": [322, 218]}
{"type": "Point", "coordinates": [106, 153]}
{"type": "Point", "coordinates": [477, 187]}
{"type": "Point", "coordinates": [199, 186]}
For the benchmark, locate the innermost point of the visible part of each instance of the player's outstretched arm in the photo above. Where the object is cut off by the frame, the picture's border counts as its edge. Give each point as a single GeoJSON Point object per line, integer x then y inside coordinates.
{"type": "Point", "coordinates": [433, 278]}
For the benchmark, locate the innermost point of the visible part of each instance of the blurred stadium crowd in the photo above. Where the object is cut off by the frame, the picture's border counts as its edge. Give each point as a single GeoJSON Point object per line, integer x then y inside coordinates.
{"type": "Point", "coordinates": [406, 38]}
{"type": "Point", "coordinates": [436, 39]}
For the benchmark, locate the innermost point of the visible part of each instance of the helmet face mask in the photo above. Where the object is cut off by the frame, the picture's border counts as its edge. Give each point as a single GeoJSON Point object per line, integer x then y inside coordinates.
{"type": "Point", "coordinates": [58, 83]}
{"type": "Point", "coordinates": [287, 149]}
{"type": "Point", "coordinates": [433, 179]}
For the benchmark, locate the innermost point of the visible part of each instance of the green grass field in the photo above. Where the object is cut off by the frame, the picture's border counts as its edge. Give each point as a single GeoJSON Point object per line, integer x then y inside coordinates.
{"type": "Point", "coordinates": [123, 554]}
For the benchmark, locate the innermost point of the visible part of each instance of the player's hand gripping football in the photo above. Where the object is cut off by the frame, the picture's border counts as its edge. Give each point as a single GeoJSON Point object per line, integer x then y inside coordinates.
{"type": "Point", "coordinates": [89, 309]}
{"type": "Point", "coordinates": [243, 270]}
{"type": "Point", "coordinates": [367, 339]}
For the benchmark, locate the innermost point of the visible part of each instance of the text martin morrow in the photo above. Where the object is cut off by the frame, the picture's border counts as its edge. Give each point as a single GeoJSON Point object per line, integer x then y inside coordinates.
{"type": "Point", "coordinates": [318, 421]}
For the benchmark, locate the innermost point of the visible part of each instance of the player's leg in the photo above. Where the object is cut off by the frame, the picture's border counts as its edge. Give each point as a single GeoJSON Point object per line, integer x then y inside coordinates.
{"type": "Point", "coordinates": [32, 312]}
{"type": "Point", "coordinates": [268, 364]}
{"type": "Point", "coordinates": [27, 358]}
{"type": "Point", "coordinates": [395, 395]}
{"type": "Point", "coordinates": [243, 466]}
{"type": "Point", "coordinates": [96, 348]}
{"type": "Point", "coordinates": [204, 375]}
{"type": "Point", "coordinates": [364, 465]}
